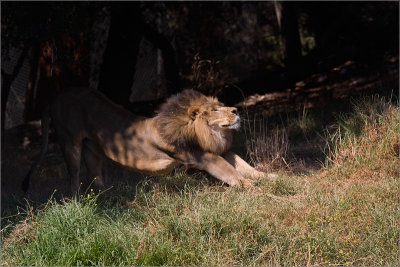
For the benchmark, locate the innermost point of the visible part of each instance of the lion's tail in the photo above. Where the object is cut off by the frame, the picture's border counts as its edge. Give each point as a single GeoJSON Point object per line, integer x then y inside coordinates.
{"type": "Point", "coordinates": [43, 150]}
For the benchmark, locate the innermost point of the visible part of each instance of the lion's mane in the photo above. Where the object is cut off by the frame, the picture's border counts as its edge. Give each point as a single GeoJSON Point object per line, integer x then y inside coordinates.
{"type": "Point", "coordinates": [178, 127]}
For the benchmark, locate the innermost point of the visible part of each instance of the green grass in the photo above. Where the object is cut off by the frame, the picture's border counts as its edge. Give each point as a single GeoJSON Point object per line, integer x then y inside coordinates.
{"type": "Point", "coordinates": [344, 214]}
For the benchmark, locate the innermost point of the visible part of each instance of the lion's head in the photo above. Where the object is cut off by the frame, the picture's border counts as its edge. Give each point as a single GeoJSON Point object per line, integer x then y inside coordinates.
{"type": "Point", "coordinates": [191, 120]}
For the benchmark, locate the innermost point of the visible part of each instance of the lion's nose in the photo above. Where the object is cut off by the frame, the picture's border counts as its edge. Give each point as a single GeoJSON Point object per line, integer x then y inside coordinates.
{"type": "Point", "coordinates": [234, 111]}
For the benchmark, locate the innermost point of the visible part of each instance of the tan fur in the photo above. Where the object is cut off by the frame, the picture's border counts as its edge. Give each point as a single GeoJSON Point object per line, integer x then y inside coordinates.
{"type": "Point", "coordinates": [189, 129]}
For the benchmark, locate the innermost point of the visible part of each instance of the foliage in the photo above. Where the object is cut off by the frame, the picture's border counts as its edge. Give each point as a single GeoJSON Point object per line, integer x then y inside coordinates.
{"type": "Point", "coordinates": [30, 23]}
{"type": "Point", "coordinates": [207, 77]}
{"type": "Point", "coordinates": [243, 37]}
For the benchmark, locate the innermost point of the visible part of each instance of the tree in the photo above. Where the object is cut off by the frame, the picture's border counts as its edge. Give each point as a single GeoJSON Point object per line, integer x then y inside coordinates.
{"type": "Point", "coordinates": [7, 80]}
{"type": "Point", "coordinates": [119, 61]}
{"type": "Point", "coordinates": [287, 12]}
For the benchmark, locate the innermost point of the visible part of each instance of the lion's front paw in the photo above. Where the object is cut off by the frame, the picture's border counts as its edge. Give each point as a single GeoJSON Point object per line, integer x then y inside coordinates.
{"type": "Point", "coordinates": [241, 182]}
{"type": "Point", "coordinates": [246, 182]}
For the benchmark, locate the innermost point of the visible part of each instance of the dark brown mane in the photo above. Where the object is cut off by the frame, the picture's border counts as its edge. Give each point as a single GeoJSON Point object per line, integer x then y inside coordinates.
{"type": "Point", "coordinates": [174, 121]}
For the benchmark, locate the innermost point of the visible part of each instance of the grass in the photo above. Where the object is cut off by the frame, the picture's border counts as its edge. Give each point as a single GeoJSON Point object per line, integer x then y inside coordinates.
{"type": "Point", "coordinates": [344, 214]}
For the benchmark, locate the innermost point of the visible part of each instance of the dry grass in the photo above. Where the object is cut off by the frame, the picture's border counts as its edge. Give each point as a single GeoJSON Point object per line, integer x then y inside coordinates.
{"type": "Point", "coordinates": [268, 147]}
{"type": "Point", "coordinates": [207, 76]}
{"type": "Point", "coordinates": [268, 150]}
{"type": "Point", "coordinates": [366, 141]}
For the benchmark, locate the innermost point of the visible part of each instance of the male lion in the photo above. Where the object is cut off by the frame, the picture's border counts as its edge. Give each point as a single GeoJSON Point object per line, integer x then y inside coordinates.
{"type": "Point", "coordinates": [189, 129]}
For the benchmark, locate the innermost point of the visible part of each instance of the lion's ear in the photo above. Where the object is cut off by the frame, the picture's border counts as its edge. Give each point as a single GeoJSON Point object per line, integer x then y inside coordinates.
{"type": "Point", "coordinates": [193, 111]}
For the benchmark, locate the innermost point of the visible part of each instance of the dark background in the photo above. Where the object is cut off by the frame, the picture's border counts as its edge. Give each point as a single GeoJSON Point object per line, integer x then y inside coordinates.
{"type": "Point", "coordinates": [228, 49]}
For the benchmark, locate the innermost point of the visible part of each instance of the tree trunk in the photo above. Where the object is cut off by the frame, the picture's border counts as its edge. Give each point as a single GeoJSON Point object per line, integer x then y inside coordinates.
{"type": "Point", "coordinates": [7, 81]}
{"type": "Point", "coordinates": [278, 13]}
{"type": "Point", "coordinates": [168, 54]}
{"type": "Point", "coordinates": [291, 40]}
{"type": "Point", "coordinates": [29, 109]}
{"type": "Point", "coordinates": [120, 55]}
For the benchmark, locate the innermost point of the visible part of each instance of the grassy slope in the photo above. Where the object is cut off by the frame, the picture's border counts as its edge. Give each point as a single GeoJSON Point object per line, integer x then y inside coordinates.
{"type": "Point", "coordinates": [346, 213]}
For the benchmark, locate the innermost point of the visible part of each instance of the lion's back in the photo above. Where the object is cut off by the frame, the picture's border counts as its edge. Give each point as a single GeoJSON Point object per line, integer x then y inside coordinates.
{"type": "Point", "coordinates": [80, 110]}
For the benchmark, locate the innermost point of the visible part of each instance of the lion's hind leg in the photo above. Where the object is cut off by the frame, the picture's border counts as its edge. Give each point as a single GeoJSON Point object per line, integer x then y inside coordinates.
{"type": "Point", "coordinates": [93, 163]}
{"type": "Point", "coordinates": [72, 155]}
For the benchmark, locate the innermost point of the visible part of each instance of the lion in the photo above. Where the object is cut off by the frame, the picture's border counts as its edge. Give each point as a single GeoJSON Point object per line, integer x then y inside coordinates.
{"type": "Point", "coordinates": [189, 129]}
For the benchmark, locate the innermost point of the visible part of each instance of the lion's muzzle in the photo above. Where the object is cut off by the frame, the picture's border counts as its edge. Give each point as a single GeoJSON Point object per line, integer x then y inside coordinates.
{"type": "Point", "coordinates": [235, 125]}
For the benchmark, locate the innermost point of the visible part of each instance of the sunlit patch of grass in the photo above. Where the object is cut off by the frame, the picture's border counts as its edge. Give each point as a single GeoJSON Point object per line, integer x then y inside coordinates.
{"type": "Point", "coordinates": [367, 137]}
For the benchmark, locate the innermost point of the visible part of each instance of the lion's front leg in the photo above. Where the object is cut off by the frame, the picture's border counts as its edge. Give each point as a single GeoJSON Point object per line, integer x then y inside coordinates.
{"type": "Point", "coordinates": [218, 167]}
{"type": "Point", "coordinates": [243, 167]}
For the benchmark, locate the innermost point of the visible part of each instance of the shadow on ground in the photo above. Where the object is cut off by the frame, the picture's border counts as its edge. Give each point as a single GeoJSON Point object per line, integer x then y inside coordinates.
{"type": "Point", "coordinates": [21, 148]}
